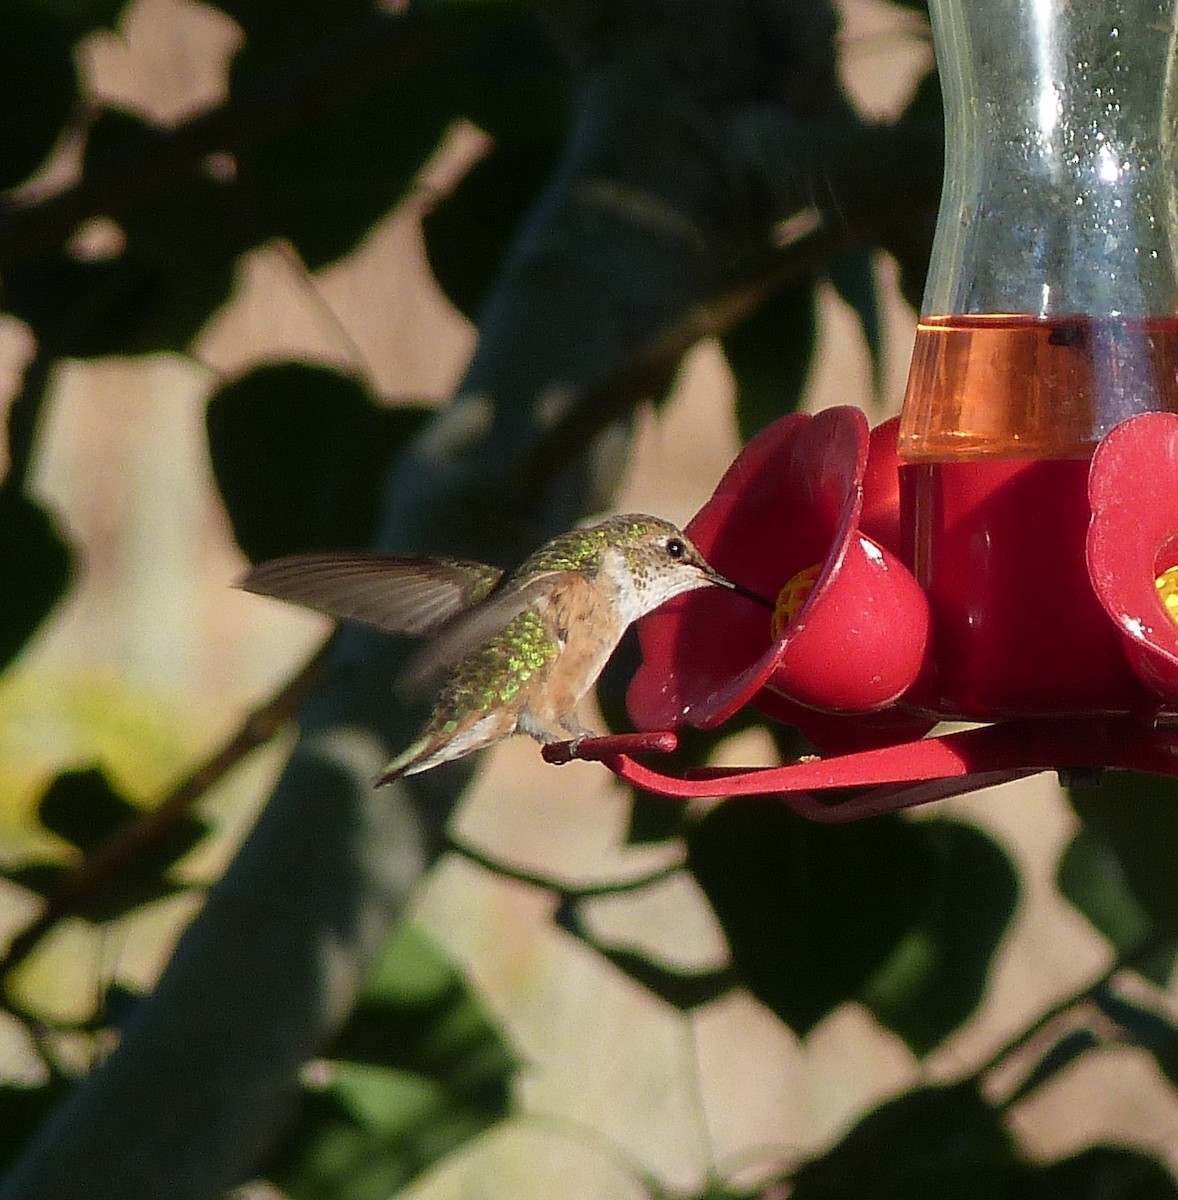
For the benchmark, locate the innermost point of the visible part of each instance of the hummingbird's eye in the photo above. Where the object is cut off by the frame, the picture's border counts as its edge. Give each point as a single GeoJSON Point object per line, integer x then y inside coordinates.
{"type": "Point", "coordinates": [676, 547]}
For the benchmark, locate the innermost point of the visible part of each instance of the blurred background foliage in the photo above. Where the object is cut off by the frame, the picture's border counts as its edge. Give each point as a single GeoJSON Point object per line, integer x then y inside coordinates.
{"type": "Point", "coordinates": [651, 173]}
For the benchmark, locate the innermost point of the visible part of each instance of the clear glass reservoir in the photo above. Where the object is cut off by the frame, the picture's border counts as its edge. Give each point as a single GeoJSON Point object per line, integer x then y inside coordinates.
{"type": "Point", "coordinates": [1051, 307]}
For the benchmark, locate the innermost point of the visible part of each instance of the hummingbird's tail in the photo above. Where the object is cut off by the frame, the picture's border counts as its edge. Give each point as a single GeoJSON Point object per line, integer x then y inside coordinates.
{"type": "Point", "coordinates": [419, 756]}
{"type": "Point", "coordinates": [445, 738]}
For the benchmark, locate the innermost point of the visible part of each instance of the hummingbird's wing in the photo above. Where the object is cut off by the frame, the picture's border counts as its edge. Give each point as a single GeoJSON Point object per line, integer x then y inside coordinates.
{"type": "Point", "coordinates": [398, 595]}
{"type": "Point", "coordinates": [476, 626]}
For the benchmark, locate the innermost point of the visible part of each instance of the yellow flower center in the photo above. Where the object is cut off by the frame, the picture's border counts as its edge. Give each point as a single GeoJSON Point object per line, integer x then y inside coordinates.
{"type": "Point", "coordinates": [1167, 585]}
{"type": "Point", "coordinates": [797, 591]}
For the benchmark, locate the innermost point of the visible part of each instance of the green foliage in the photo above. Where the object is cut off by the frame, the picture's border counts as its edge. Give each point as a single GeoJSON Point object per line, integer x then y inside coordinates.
{"type": "Point", "coordinates": [174, 268]}
{"type": "Point", "coordinates": [944, 1141]}
{"type": "Point", "coordinates": [418, 1070]}
{"type": "Point", "coordinates": [80, 17]}
{"type": "Point", "coordinates": [1092, 878]}
{"type": "Point", "coordinates": [323, 183]}
{"type": "Point", "coordinates": [904, 917]}
{"type": "Point", "coordinates": [770, 353]}
{"type": "Point", "coordinates": [792, 897]}
{"type": "Point", "coordinates": [85, 810]}
{"type": "Point", "coordinates": [467, 234]}
{"type": "Point", "coordinates": [299, 453]}
{"type": "Point", "coordinates": [37, 568]}
{"type": "Point", "coordinates": [853, 276]}
{"type": "Point", "coordinates": [1118, 870]}
{"type": "Point", "coordinates": [22, 1111]}
{"type": "Point", "coordinates": [1094, 1174]}
{"type": "Point", "coordinates": [938, 974]}
{"type": "Point", "coordinates": [38, 87]}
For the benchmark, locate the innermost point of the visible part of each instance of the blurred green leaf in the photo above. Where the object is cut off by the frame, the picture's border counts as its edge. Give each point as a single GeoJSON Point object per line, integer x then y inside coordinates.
{"type": "Point", "coordinates": [1097, 1173]}
{"type": "Point", "coordinates": [38, 88]}
{"type": "Point", "coordinates": [1060, 1055]}
{"type": "Point", "coordinates": [938, 974]}
{"type": "Point", "coordinates": [22, 1112]}
{"type": "Point", "coordinates": [770, 353]}
{"type": "Point", "coordinates": [181, 243]}
{"type": "Point", "coordinates": [83, 808]}
{"type": "Point", "coordinates": [417, 1071]}
{"type": "Point", "coordinates": [79, 17]}
{"type": "Point", "coordinates": [335, 1152]}
{"type": "Point", "coordinates": [44, 878]}
{"type": "Point", "coordinates": [130, 304]}
{"type": "Point", "coordinates": [467, 234]}
{"type": "Point", "coordinates": [1118, 871]}
{"type": "Point", "coordinates": [418, 1015]}
{"type": "Point", "coordinates": [511, 81]}
{"type": "Point", "coordinates": [1148, 1028]}
{"type": "Point", "coordinates": [198, 214]}
{"type": "Point", "coordinates": [323, 182]}
{"type": "Point", "coordinates": [811, 912]}
{"type": "Point", "coordinates": [654, 819]}
{"type": "Point", "coordinates": [911, 242]}
{"type": "Point", "coordinates": [925, 1145]}
{"type": "Point", "coordinates": [853, 277]}
{"type": "Point", "coordinates": [35, 565]}
{"type": "Point", "coordinates": [74, 308]}
{"type": "Point", "coordinates": [273, 29]}
{"type": "Point", "coordinates": [1092, 879]}
{"type": "Point", "coordinates": [299, 455]}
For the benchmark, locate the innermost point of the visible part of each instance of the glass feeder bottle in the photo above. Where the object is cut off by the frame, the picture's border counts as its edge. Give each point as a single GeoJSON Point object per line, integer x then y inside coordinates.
{"type": "Point", "coordinates": [1050, 315]}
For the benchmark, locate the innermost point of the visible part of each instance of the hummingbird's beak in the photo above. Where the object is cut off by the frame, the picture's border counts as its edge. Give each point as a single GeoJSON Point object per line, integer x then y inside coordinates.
{"type": "Point", "coordinates": [741, 590]}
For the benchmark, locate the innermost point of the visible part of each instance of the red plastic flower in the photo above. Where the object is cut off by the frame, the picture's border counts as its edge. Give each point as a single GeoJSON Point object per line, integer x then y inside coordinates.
{"type": "Point", "coordinates": [851, 631]}
{"type": "Point", "coordinates": [1133, 542]}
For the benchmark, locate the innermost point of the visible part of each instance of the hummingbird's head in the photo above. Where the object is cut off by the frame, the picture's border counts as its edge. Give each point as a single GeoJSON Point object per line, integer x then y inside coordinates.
{"type": "Point", "coordinates": [650, 560]}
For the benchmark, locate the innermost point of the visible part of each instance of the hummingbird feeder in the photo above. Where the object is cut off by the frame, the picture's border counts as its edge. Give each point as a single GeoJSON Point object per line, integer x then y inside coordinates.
{"type": "Point", "coordinates": [1006, 552]}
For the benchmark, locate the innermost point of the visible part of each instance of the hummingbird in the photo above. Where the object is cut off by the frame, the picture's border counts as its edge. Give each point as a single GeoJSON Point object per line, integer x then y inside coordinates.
{"type": "Point", "coordinates": [515, 652]}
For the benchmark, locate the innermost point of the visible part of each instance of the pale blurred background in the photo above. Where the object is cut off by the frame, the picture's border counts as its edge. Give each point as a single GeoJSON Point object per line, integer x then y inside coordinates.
{"type": "Point", "coordinates": [154, 660]}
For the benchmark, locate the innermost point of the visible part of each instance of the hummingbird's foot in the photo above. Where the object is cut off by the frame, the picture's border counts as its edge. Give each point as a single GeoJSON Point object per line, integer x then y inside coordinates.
{"type": "Point", "coordinates": [580, 736]}
{"type": "Point", "coordinates": [560, 750]}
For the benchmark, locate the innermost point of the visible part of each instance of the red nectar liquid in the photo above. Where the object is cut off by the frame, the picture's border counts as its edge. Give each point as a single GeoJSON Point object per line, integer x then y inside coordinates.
{"type": "Point", "coordinates": [1000, 420]}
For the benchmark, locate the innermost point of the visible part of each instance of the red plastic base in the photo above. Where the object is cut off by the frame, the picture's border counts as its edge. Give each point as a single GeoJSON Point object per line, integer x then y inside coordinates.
{"type": "Point", "coordinates": [900, 776]}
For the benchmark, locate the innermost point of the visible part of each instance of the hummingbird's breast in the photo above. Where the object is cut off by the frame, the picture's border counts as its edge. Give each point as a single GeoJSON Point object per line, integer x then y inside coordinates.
{"type": "Point", "coordinates": [583, 618]}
